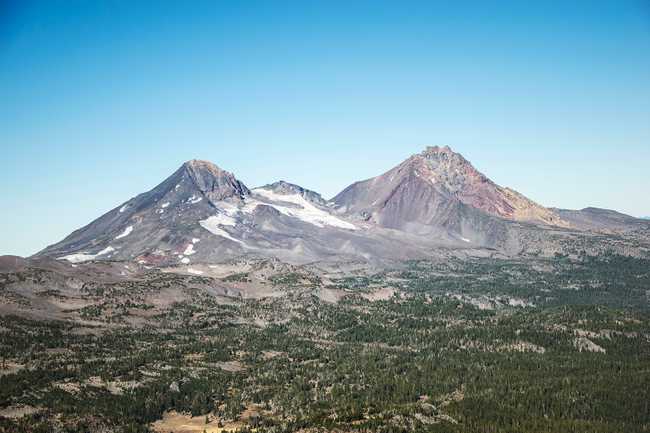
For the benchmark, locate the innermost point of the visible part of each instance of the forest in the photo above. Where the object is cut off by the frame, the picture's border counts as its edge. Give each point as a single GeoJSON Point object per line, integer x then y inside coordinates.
{"type": "Point", "coordinates": [488, 345]}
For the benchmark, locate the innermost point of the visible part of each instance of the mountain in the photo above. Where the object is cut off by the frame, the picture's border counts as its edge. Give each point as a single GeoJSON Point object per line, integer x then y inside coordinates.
{"type": "Point", "coordinates": [286, 188]}
{"type": "Point", "coordinates": [157, 223]}
{"type": "Point", "coordinates": [439, 189]}
{"type": "Point", "coordinates": [433, 202]}
{"type": "Point", "coordinates": [592, 218]}
{"type": "Point", "coordinates": [202, 213]}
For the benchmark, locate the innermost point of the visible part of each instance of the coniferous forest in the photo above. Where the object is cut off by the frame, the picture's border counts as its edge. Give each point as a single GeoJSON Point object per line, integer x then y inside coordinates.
{"type": "Point", "coordinates": [550, 345]}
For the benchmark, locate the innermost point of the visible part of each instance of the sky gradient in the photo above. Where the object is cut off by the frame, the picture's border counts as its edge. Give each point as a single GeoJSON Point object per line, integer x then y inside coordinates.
{"type": "Point", "coordinates": [100, 101]}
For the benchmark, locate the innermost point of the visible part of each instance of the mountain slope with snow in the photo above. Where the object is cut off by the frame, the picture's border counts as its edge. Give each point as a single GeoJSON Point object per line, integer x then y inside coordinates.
{"type": "Point", "coordinates": [202, 213]}
{"type": "Point", "coordinates": [433, 200]}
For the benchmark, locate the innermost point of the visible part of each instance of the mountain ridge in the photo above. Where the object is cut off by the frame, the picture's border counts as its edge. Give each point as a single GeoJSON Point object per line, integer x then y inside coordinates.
{"type": "Point", "coordinates": [433, 199]}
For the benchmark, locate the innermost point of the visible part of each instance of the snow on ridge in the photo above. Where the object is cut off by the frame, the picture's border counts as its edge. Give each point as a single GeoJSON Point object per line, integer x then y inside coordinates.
{"type": "Point", "coordinates": [127, 231]}
{"type": "Point", "coordinates": [305, 211]}
{"type": "Point", "coordinates": [106, 250]}
{"type": "Point", "coordinates": [123, 208]}
{"type": "Point", "coordinates": [84, 257]}
{"type": "Point", "coordinates": [213, 222]}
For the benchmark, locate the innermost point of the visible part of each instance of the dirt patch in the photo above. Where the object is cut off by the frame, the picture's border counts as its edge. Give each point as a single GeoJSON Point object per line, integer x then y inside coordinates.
{"type": "Point", "coordinates": [114, 387]}
{"type": "Point", "coordinates": [584, 344]}
{"type": "Point", "coordinates": [182, 423]}
{"type": "Point", "coordinates": [71, 387]}
{"type": "Point", "coordinates": [521, 346]}
{"type": "Point", "coordinates": [18, 411]}
{"type": "Point", "coordinates": [331, 295]}
{"type": "Point", "coordinates": [383, 294]}
{"type": "Point", "coordinates": [10, 368]}
{"type": "Point", "coordinates": [231, 366]}
{"type": "Point", "coordinates": [270, 354]}
{"type": "Point", "coordinates": [453, 397]}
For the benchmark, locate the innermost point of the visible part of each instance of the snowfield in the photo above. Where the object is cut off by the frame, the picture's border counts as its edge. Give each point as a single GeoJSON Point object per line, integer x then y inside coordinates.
{"type": "Point", "coordinates": [194, 199]}
{"type": "Point", "coordinates": [84, 257]}
{"type": "Point", "coordinates": [127, 231]}
{"type": "Point", "coordinates": [212, 224]}
{"type": "Point", "coordinates": [304, 210]}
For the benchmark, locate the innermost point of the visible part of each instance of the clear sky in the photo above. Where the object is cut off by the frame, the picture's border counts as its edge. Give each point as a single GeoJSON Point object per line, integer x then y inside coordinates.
{"type": "Point", "coordinates": [101, 100]}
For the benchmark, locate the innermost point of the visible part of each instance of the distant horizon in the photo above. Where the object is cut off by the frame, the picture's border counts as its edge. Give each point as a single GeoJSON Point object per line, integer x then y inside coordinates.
{"type": "Point", "coordinates": [103, 100]}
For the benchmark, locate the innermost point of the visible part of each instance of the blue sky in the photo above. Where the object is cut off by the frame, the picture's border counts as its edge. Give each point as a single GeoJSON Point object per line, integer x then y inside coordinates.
{"type": "Point", "coordinates": [100, 101]}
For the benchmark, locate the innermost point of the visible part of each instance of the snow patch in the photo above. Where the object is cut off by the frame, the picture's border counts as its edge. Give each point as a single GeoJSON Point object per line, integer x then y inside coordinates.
{"type": "Point", "coordinates": [127, 231]}
{"type": "Point", "coordinates": [84, 257]}
{"type": "Point", "coordinates": [164, 205]}
{"type": "Point", "coordinates": [194, 199]}
{"type": "Point", "coordinates": [195, 240]}
{"type": "Point", "coordinates": [212, 224]}
{"type": "Point", "coordinates": [123, 208]}
{"type": "Point", "coordinates": [194, 271]}
{"type": "Point", "coordinates": [185, 260]}
{"type": "Point", "coordinates": [189, 250]}
{"type": "Point", "coordinates": [304, 211]}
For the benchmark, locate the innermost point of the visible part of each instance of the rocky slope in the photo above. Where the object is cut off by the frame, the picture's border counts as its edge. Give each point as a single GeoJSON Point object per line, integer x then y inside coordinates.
{"type": "Point", "coordinates": [592, 218]}
{"type": "Point", "coordinates": [437, 179]}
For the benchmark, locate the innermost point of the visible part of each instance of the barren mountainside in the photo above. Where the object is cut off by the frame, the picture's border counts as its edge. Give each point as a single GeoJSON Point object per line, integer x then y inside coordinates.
{"type": "Point", "coordinates": [437, 179]}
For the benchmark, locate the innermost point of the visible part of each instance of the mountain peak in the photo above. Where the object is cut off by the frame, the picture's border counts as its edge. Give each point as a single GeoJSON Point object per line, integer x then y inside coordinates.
{"type": "Point", "coordinates": [284, 187]}
{"type": "Point", "coordinates": [426, 185]}
{"type": "Point", "coordinates": [441, 154]}
{"type": "Point", "coordinates": [431, 150]}
{"type": "Point", "coordinates": [213, 181]}
{"type": "Point", "coordinates": [199, 164]}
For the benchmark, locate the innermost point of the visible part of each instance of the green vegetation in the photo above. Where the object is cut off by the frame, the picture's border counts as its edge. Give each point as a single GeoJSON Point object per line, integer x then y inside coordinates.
{"type": "Point", "coordinates": [554, 345]}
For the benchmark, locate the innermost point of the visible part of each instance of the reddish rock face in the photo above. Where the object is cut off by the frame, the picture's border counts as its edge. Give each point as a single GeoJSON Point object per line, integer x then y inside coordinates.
{"type": "Point", "coordinates": [426, 188]}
